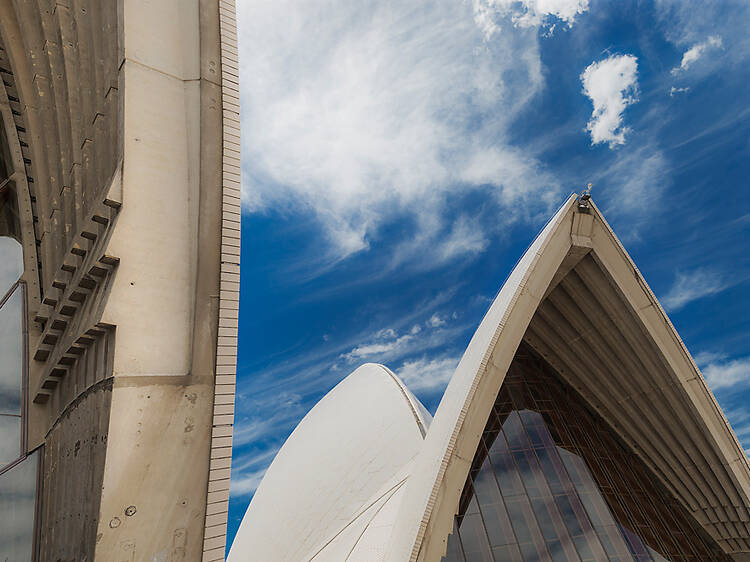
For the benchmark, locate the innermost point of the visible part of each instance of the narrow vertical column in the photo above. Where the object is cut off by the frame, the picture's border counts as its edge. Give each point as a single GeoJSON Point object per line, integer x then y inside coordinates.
{"type": "Point", "coordinates": [217, 500]}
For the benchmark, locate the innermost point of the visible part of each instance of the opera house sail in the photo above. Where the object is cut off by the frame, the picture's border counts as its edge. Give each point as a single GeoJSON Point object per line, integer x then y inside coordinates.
{"type": "Point", "coordinates": [119, 278]}
{"type": "Point", "coordinates": [575, 427]}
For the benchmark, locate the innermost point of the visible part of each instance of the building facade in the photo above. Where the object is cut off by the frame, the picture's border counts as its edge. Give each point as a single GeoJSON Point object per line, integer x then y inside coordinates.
{"type": "Point", "coordinates": [119, 277]}
{"type": "Point", "coordinates": [575, 427]}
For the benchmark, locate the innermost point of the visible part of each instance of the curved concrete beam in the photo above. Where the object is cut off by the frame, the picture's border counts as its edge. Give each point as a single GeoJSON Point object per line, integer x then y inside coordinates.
{"type": "Point", "coordinates": [578, 299]}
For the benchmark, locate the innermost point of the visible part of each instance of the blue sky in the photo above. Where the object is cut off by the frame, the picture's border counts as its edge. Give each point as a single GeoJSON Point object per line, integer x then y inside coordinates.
{"type": "Point", "coordinates": [398, 157]}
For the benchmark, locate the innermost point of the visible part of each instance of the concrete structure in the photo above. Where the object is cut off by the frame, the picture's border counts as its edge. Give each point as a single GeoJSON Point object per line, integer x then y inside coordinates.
{"type": "Point", "coordinates": [119, 264]}
{"type": "Point", "coordinates": [576, 426]}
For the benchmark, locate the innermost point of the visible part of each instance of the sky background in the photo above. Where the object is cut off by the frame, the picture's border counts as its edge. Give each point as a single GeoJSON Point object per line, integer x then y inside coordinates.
{"type": "Point", "coordinates": [399, 156]}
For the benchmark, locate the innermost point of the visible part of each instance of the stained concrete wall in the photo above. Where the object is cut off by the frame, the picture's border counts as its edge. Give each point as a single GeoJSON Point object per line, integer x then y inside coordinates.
{"type": "Point", "coordinates": [76, 445]}
{"type": "Point", "coordinates": [125, 121]}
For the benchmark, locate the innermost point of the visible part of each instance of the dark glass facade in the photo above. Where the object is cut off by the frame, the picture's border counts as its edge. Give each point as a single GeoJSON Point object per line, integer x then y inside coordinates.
{"type": "Point", "coordinates": [551, 481]}
{"type": "Point", "coordinates": [18, 468]}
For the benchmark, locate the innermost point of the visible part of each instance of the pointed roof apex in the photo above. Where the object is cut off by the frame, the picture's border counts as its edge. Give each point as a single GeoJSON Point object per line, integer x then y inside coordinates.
{"type": "Point", "coordinates": [579, 301]}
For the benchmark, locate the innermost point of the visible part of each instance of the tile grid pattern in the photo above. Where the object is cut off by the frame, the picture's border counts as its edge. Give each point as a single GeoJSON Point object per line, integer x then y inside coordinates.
{"type": "Point", "coordinates": [217, 501]}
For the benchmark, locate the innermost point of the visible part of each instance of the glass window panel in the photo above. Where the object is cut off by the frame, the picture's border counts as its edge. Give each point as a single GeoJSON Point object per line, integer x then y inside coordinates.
{"type": "Point", "coordinates": [525, 461]}
{"type": "Point", "coordinates": [557, 552]}
{"type": "Point", "coordinates": [564, 486]}
{"type": "Point", "coordinates": [584, 549]}
{"type": "Point", "coordinates": [497, 523]}
{"type": "Point", "coordinates": [11, 262]}
{"type": "Point", "coordinates": [609, 546]}
{"type": "Point", "coordinates": [17, 506]}
{"type": "Point", "coordinates": [454, 552]}
{"type": "Point", "coordinates": [568, 515]}
{"type": "Point", "coordinates": [474, 539]}
{"type": "Point", "coordinates": [542, 510]}
{"type": "Point", "coordinates": [508, 553]}
{"type": "Point", "coordinates": [531, 418]}
{"type": "Point", "coordinates": [537, 436]}
{"type": "Point", "coordinates": [10, 440]}
{"type": "Point", "coordinates": [11, 352]}
{"type": "Point", "coordinates": [634, 541]}
{"type": "Point", "coordinates": [505, 469]}
{"type": "Point", "coordinates": [473, 505]}
{"type": "Point", "coordinates": [531, 553]}
{"type": "Point", "coordinates": [553, 472]}
{"type": "Point", "coordinates": [518, 518]}
{"type": "Point", "coordinates": [485, 486]}
{"type": "Point", "coordinates": [514, 432]}
{"type": "Point", "coordinates": [525, 526]}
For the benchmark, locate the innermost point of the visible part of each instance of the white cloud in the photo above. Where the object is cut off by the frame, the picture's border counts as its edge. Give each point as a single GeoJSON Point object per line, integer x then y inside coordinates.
{"type": "Point", "coordinates": [704, 358]}
{"type": "Point", "coordinates": [728, 373]}
{"type": "Point", "coordinates": [635, 181]}
{"type": "Point", "coordinates": [466, 238]}
{"type": "Point", "coordinates": [697, 51]}
{"type": "Point", "coordinates": [436, 321]}
{"type": "Point", "coordinates": [687, 24]}
{"type": "Point", "coordinates": [673, 90]}
{"type": "Point", "coordinates": [612, 85]}
{"type": "Point", "coordinates": [391, 345]}
{"type": "Point", "coordinates": [379, 348]}
{"type": "Point", "coordinates": [526, 13]}
{"type": "Point", "coordinates": [248, 469]}
{"type": "Point", "coordinates": [692, 286]}
{"type": "Point", "coordinates": [243, 485]}
{"type": "Point", "coordinates": [425, 375]}
{"type": "Point", "coordinates": [358, 113]}
{"type": "Point", "coordinates": [267, 413]}
{"type": "Point", "coordinates": [260, 423]}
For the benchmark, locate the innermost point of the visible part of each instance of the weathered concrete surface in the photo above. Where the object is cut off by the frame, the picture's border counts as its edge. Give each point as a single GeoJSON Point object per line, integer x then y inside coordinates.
{"type": "Point", "coordinates": [123, 128]}
{"type": "Point", "coordinates": [153, 497]}
{"type": "Point", "coordinates": [74, 455]}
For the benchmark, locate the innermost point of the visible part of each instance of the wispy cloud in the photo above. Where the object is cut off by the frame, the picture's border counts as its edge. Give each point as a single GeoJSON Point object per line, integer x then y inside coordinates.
{"type": "Point", "coordinates": [260, 428]}
{"type": "Point", "coordinates": [259, 423]}
{"type": "Point", "coordinates": [673, 90]}
{"type": "Point", "coordinates": [526, 13]}
{"type": "Point", "coordinates": [389, 345]}
{"type": "Point", "coordinates": [248, 469]}
{"type": "Point", "coordinates": [267, 414]}
{"type": "Point", "coordinates": [694, 24]}
{"type": "Point", "coordinates": [465, 239]}
{"type": "Point", "coordinates": [692, 286]}
{"type": "Point", "coordinates": [612, 85]}
{"type": "Point", "coordinates": [436, 321]}
{"type": "Point", "coordinates": [354, 115]}
{"type": "Point", "coordinates": [739, 417]}
{"type": "Point", "coordinates": [727, 374]}
{"type": "Point", "coordinates": [425, 375]}
{"type": "Point", "coordinates": [697, 51]}
{"type": "Point", "coordinates": [730, 380]}
{"type": "Point", "coordinates": [385, 345]}
{"type": "Point", "coordinates": [635, 182]}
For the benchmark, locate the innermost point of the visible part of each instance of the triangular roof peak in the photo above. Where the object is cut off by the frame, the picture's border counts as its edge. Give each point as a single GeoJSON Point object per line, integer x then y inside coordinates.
{"type": "Point", "coordinates": [579, 300]}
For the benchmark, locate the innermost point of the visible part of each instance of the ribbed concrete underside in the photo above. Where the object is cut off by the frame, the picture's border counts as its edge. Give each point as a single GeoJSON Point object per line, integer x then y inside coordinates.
{"type": "Point", "coordinates": [586, 329]}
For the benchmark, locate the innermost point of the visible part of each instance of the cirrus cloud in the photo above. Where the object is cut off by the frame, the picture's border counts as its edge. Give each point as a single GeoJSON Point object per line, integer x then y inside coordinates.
{"type": "Point", "coordinates": [692, 286]}
{"type": "Point", "coordinates": [728, 374]}
{"type": "Point", "coordinates": [697, 51]}
{"type": "Point", "coordinates": [358, 114]}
